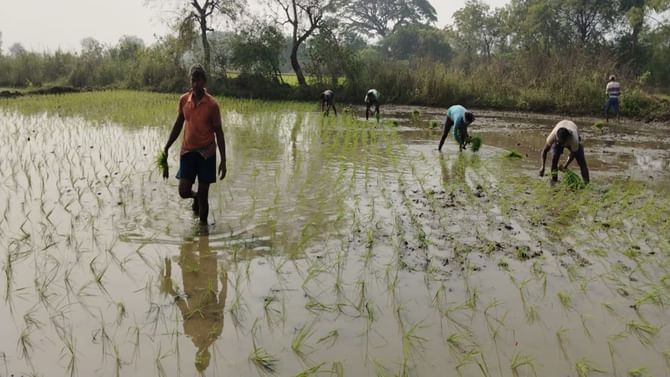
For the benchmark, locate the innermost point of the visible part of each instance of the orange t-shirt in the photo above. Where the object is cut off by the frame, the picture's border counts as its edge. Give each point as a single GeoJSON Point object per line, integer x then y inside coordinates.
{"type": "Point", "coordinates": [200, 122]}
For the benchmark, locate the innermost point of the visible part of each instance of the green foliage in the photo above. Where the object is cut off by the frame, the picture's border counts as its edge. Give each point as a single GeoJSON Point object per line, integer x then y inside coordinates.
{"type": "Point", "coordinates": [257, 48]}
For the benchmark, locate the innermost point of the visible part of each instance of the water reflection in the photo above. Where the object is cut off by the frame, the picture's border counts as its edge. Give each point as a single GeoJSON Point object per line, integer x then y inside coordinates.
{"type": "Point", "coordinates": [203, 297]}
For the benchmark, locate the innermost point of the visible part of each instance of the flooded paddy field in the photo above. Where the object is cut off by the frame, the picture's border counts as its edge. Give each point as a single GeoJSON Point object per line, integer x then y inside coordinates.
{"type": "Point", "coordinates": [336, 246]}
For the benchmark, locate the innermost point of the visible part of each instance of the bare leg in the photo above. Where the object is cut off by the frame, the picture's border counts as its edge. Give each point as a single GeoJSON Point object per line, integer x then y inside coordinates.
{"type": "Point", "coordinates": [445, 133]}
{"type": "Point", "coordinates": [203, 201]}
{"type": "Point", "coordinates": [554, 165]}
{"type": "Point", "coordinates": [581, 160]}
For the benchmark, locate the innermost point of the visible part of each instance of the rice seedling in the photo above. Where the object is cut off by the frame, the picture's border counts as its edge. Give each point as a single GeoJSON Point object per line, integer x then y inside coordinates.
{"type": "Point", "coordinates": [3, 357]}
{"type": "Point", "coordinates": [336, 368]}
{"type": "Point", "coordinates": [572, 180]}
{"type": "Point", "coordinates": [299, 338]}
{"type": "Point", "coordinates": [565, 300]}
{"type": "Point", "coordinates": [562, 337]}
{"type": "Point", "coordinates": [70, 352]}
{"type": "Point", "coordinates": [584, 368]}
{"type": "Point", "coordinates": [513, 155]}
{"type": "Point", "coordinates": [312, 371]}
{"type": "Point", "coordinates": [475, 143]}
{"type": "Point", "coordinates": [330, 338]}
{"type": "Point", "coordinates": [531, 314]}
{"type": "Point", "coordinates": [434, 124]}
{"type": "Point", "coordinates": [653, 296]}
{"type": "Point", "coordinates": [644, 331]}
{"type": "Point", "coordinates": [456, 341]}
{"type": "Point", "coordinates": [25, 345]}
{"type": "Point", "coordinates": [263, 360]}
{"type": "Point", "coordinates": [639, 372]}
{"type": "Point", "coordinates": [521, 360]}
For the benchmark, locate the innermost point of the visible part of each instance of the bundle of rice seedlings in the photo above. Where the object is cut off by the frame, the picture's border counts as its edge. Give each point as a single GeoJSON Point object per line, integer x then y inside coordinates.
{"type": "Point", "coordinates": [161, 162]}
{"type": "Point", "coordinates": [599, 124]}
{"type": "Point", "coordinates": [572, 180]}
{"type": "Point", "coordinates": [475, 143]}
{"type": "Point", "coordinates": [513, 154]}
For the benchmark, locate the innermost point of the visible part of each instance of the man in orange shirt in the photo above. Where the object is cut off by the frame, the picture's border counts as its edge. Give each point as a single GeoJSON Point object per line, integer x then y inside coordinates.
{"type": "Point", "coordinates": [202, 117]}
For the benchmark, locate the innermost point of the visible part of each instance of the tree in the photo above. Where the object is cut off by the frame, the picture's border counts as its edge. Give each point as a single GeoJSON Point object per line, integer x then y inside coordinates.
{"type": "Point", "coordinates": [304, 17]}
{"type": "Point", "coordinates": [257, 49]}
{"type": "Point", "coordinates": [478, 29]}
{"type": "Point", "coordinates": [417, 41]}
{"type": "Point", "coordinates": [17, 49]}
{"type": "Point", "coordinates": [200, 13]}
{"type": "Point", "coordinates": [383, 17]}
{"type": "Point", "coordinates": [333, 55]}
{"type": "Point", "coordinates": [588, 19]}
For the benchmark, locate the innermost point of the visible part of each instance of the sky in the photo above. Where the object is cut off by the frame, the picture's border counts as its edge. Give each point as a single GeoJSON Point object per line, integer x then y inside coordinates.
{"type": "Point", "coordinates": [49, 25]}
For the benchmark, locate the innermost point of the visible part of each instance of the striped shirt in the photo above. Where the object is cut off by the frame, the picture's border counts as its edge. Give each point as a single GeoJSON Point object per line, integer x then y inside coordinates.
{"type": "Point", "coordinates": [613, 89]}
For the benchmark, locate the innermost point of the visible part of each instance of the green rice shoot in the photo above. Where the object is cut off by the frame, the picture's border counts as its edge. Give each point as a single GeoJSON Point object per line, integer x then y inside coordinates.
{"type": "Point", "coordinates": [572, 180]}
{"type": "Point", "coordinates": [475, 143]}
{"type": "Point", "coordinates": [514, 154]}
{"type": "Point", "coordinates": [161, 162]}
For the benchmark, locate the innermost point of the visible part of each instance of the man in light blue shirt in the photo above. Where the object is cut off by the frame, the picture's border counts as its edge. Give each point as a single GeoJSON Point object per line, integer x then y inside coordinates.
{"type": "Point", "coordinates": [460, 118]}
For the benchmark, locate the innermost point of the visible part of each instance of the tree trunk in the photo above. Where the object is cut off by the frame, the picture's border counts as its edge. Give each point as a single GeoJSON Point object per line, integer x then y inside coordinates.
{"type": "Point", "coordinates": [205, 43]}
{"type": "Point", "coordinates": [296, 65]}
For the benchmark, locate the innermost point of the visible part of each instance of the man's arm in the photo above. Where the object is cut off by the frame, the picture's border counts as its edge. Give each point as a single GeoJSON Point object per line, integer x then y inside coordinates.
{"type": "Point", "coordinates": [570, 158]}
{"type": "Point", "coordinates": [221, 143]}
{"type": "Point", "coordinates": [174, 134]}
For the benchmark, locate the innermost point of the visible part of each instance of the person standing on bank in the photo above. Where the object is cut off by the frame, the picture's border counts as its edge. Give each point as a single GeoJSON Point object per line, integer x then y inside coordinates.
{"type": "Point", "coordinates": [613, 91]}
{"type": "Point", "coordinates": [371, 99]}
{"type": "Point", "coordinates": [200, 117]}
{"type": "Point", "coordinates": [328, 101]}
{"type": "Point", "coordinates": [564, 135]}
{"type": "Point", "coordinates": [460, 119]}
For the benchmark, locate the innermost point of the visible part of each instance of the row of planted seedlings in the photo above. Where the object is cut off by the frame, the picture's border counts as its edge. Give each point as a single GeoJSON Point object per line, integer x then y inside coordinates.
{"type": "Point", "coordinates": [65, 176]}
{"type": "Point", "coordinates": [535, 284]}
{"type": "Point", "coordinates": [589, 290]}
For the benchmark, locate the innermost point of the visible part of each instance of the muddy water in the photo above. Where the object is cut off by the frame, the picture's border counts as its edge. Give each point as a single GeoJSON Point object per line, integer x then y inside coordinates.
{"type": "Point", "coordinates": [335, 246]}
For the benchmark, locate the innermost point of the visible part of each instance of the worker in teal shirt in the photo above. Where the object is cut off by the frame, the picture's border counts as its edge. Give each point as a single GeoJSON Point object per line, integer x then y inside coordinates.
{"type": "Point", "coordinates": [460, 118]}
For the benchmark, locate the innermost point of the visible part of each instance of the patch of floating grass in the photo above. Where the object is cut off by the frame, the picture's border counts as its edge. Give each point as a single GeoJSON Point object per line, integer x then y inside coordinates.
{"type": "Point", "coordinates": [513, 154]}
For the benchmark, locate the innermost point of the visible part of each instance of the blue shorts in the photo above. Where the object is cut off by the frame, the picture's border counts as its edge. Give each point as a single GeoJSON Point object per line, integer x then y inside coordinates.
{"type": "Point", "coordinates": [192, 164]}
{"type": "Point", "coordinates": [612, 102]}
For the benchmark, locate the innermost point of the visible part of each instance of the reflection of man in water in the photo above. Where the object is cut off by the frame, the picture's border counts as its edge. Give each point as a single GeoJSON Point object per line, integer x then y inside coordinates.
{"type": "Point", "coordinates": [201, 303]}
